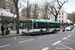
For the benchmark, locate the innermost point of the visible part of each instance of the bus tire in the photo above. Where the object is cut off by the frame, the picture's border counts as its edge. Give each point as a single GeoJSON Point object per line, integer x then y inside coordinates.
{"type": "Point", "coordinates": [23, 34]}
{"type": "Point", "coordinates": [28, 34]}
{"type": "Point", "coordinates": [41, 32]}
{"type": "Point", "coordinates": [53, 31]}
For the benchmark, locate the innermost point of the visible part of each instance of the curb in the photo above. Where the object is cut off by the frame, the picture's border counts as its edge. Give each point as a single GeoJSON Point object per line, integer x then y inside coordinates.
{"type": "Point", "coordinates": [10, 36]}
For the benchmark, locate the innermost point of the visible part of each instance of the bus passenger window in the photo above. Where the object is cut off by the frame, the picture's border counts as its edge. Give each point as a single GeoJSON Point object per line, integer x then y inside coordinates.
{"type": "Point", "coordinates": [35, 25]}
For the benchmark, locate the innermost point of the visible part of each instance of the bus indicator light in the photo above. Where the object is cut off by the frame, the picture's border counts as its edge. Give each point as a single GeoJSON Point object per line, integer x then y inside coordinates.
{"type": "Point", "coordinates": [32, 30]}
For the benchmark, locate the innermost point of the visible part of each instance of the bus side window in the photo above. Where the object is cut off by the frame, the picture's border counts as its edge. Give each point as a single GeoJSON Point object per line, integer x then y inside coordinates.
{"type": "Point", "coordinates": [58, 25]}
{"type": "Point", "coordinates": [51, 25]}
{"type": "Point", "coordinates": [55, 25]}
{"type": "Point", "coordinates": [39, 25]}
{"type": "Point", "coordinates": [35, 25]}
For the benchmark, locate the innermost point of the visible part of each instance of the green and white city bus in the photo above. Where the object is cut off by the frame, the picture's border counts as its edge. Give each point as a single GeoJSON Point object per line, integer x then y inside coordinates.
{"type": "Point", "coordinates": [38, 26]}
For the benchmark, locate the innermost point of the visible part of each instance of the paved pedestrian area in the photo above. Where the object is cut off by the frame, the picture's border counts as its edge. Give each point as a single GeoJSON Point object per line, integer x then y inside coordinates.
{"type": "Point", "coordinates": [12, 33]}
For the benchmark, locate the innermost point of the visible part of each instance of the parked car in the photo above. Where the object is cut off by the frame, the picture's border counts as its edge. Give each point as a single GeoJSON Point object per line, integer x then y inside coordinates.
{"type": "Point", "coordinates": [71, 26]}
{"type": "Point", "coordinates": [68, 28]}
{"type": "Point", "coordinates": [74, 25]}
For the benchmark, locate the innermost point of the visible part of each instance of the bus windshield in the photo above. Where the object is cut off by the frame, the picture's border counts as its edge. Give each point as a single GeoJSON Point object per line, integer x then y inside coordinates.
{"type": "Point", "coordinates": [27, 25]}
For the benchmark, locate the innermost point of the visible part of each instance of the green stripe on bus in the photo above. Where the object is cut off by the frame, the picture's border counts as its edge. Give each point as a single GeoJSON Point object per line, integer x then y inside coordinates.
{"type": "Point", "coordinates": [41, 29]}
{"type": "Point", "coordinates": [32, 20]}
{"type": "Point", "coordinates": [56, 28]}
{"type": "Point", "coordinates": [44, 21]}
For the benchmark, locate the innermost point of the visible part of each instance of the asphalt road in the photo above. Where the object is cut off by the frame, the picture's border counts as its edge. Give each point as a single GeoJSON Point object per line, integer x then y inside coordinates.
{"type": "Point", "coordinates": [54, 41]}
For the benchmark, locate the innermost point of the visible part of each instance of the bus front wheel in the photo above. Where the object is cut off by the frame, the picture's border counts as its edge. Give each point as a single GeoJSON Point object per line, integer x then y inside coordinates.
{"type": "Point", "coordinates": [41, 32]}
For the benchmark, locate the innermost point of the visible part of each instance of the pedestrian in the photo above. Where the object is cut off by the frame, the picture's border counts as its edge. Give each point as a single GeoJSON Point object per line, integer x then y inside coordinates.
{"type": "Point", "coordinates": [7, 30]}
{"type": "Point", "coordinates": [63, 29]}
{"type": "Point", "coordinates": [2, 29]}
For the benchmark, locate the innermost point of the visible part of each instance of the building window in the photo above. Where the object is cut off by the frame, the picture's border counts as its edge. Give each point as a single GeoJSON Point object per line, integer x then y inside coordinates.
{"type": "Point", "coordinates": [62, 13]}
{"type": "Point", "coordinates": [59, 20]}
{"type": "Point", "coordinates": [62, 21]}
{"type": "Point", "coordinates": [59, 17]}
{"type": "Point", "coordinates": [59, 13]}
{"type": "Point", "coordinates": [62, 17]}
{"type": "Point", "coordinates": [7, 4]}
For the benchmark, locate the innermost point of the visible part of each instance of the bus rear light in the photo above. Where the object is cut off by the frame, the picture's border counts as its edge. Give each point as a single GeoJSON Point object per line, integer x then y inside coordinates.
{"type": "Point", "coordinates": [28, 29]}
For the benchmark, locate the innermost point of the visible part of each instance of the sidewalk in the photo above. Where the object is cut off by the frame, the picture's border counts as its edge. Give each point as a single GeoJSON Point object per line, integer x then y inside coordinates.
{"type": "Point", "coordinates": [12, 33]}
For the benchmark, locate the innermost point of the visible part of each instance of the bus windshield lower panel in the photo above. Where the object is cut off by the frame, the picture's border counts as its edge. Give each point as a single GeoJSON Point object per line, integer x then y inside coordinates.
{"type": "Point", "coordinates": [27, 25]}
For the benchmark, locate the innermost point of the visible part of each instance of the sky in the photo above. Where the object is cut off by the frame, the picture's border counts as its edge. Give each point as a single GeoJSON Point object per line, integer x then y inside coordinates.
{"type": "Point", "coordinates": [69, 7]}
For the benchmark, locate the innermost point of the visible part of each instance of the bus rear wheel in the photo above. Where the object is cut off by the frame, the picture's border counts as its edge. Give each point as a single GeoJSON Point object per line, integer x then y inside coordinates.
{"type": "Point", "coordinates": [28, 34]}
{"type": "Point", "coordinates": [41, 32]}
{"type": "Point", "coordinates": [53, 31]}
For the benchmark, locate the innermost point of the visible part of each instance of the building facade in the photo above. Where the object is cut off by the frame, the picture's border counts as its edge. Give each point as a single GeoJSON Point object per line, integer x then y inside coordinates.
{"type": "Point", "coordinates": [51, 17]}
{"type": "Point", "coordinates": [7, 4]}
{"type": "Point", "coordinates": [10, 5]}
{"type": "Point", "coordinates": [62, 17]}
{"type": "Point", "coordinates": [3, 4]}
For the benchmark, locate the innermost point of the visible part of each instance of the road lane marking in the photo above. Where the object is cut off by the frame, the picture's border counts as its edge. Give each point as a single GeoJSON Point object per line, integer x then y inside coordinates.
{"type": "Point", "coordinates": [67, 43]}
{"type": "Point", "coordinates": [15, 38]}
{"type": "Point", "coordinates": [26, 40]}
{"type": "Point", "coordinates": [64, 38]}
{"type": "Point", "coordinates": [56, 42]}
{"type": "Point", "coordinates": [5, 46]}
{"type": "Point", "coordinates": [7, 39]}
{"type": "Point", "coordinates": [43, 37]}
{"type": "Point", "coordinates": [70, 40]}
{"type": "Point", "coordinates": [69, 35]}
{"type": "Point", "coordinates": [46, 48]}
{"type": "Point", "coordinates": [65, 46]}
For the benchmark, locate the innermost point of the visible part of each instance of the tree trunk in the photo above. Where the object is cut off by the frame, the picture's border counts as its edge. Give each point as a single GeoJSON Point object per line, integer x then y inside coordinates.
{"type": "Point", "coordinates": [55, 18]}
{"type": "Point", "coordinates": [27, 9]}
{"type": "Point", "coordinates": [2, 18]}
{"type": "Point", "coordinates": [35, 12]}
{"type": "Point", "coordinates": [17, 13]}
{"type": "Point", "coordinates": [17, 21]}
{"type": "Point", "coordinates": [17, 18]}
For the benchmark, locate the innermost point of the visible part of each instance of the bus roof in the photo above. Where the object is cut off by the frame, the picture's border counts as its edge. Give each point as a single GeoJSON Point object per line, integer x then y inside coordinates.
{"type": "Point", "coordinates": [47, 21]}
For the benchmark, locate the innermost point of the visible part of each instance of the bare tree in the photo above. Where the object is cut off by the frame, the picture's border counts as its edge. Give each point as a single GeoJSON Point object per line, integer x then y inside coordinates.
{"type": "Point", "coordinates": [54, 6]}
{"type": "Point", "coordinates": [17, 10]}
{"type": "Point", "coordinates": [35, 11]}
{"type": "Point", "coordinates": [26, 12]}
{"type": "Point", "coordinates": [32, 11]}
{"type": "Point", "coordinates": [46, 5]}
{"type": "Point", "coordinates": [45, 9]}
{"type": "Point", "coordinates": [16, 3]}
{"type": "Point", "coordinates": [28, 9]}
{"type": "Point", "coordinates": [72, 17]}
